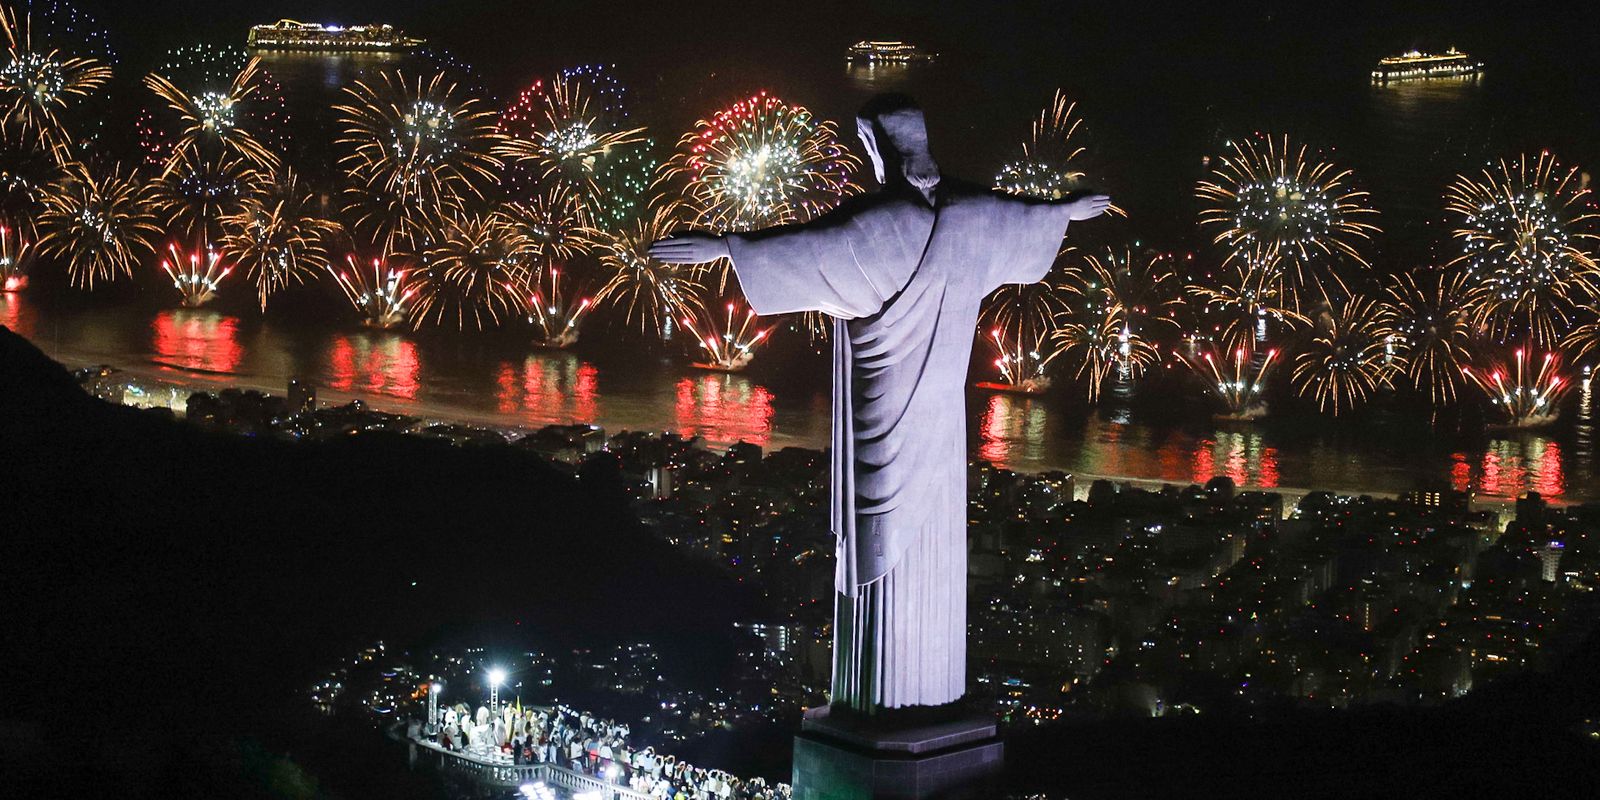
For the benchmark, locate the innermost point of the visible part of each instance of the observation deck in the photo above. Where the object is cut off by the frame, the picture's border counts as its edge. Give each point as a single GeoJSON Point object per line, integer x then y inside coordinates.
{"type": "Point", "coordinates": [500, 773]}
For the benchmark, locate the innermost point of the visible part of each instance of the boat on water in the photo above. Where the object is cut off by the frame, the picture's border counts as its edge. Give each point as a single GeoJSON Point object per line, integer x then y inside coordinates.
{"type": "Point", "coordinates": [869, 52]}
{"type": "Point", "coordinates": [288, 34]}
{"type": "Point", "coordinates": [1028, 386]}
{"type": "Point", "coordinates": [1417, 65]}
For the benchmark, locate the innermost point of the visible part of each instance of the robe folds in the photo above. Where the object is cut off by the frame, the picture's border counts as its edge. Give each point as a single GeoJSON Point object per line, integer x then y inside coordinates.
{"type": "Point", "coordinates": [903, 281]}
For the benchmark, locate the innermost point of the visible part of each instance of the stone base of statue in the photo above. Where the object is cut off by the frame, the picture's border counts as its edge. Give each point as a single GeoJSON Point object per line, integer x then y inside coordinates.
{"type": "Point", "coordinates": [922, 754]}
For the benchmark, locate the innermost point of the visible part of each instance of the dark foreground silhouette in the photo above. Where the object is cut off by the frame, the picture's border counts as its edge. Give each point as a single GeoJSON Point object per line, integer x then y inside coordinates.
{"type": "Point", "coordinates": [170, 593]}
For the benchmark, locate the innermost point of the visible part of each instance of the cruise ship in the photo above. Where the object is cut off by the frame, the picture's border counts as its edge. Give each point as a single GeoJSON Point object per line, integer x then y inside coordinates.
{"type": "Point", "coordinates": [886, 52]}
{"type": "Point", "coordinates": [1417, 65]}
{"type": "Point", "coordinates": [287, 34]}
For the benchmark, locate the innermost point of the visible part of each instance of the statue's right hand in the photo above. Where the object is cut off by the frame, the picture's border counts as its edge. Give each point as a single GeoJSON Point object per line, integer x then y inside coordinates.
{"type": "Point", "coordinates": [1089, 207]}
{"type": "Point", "coordinates": [690, 248]}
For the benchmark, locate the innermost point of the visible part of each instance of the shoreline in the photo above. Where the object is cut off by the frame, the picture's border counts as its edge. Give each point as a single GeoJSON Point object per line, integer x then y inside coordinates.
{"type": "Point", "coordinates": [192, 380]}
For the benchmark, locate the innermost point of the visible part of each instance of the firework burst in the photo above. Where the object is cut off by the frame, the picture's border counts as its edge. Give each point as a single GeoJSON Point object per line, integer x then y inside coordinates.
{"type": "Point", "coordinates": [39, 83]}
{"type": "Point", "coordinates": [16, 257]}
{"type": "Point", "coordinates": [1047, 168]}
{"type": "Point", "coordinates": [1021, 319]}
{"type": "Point", "coordinates": [1526, 231]}
{"type": "Point", "coordinates": [277, 237]}
{"type": "Point", "coordinates": [571, 130]}
{"type": "Point", "coordinates": [1346, 359]}
{"type": "Point", "coordinates": [1021, 356]}
{"type": "Point", "coordinates": [1091, 339]}
{"type": "Point", "coordinates": [1528, 390]}
{"type": "Point", "coordinates": [98, 221]}
{"type": "Point", "coordinates": [1026, 305]}
{"type": "Point", "coordinates": [60, 23]}
{"type": "Point", "coordinates": [625, 183]}
{"type": "Point", "coordinates": [416, 149]}
{"type": "Point", "coordinates": [1432, 331]}
{"type": "Point", "coordinates": [1241, 303]}
{"type": "Point", "coordinates": [552, 223]}
{"type": "Point", "coordinates": [1583, 340]}
{"type": "Point", "coordinates": [728, 340]}
{"type": "Point", "coordinates": [761, 162]}
{"type": "Point", "coordinates": [1236, 377]}
{"type": "Point", "coordinates": [1284, 209]}
{"type": "Point", "coordinates": [380, 292]}
{"type": "Point", "coordinates": [389, 222]}
{"type": "Point", "coordinates": [1136, 297]}
{"type": "Point", "coordinates": [554, 311]}
{"type": "Point", "coordinates": [27, 170]}
{"type": "Point", "coordinates": [474, 273]}
{"type": "Point", "coordinates": [217, 108]}
{"type": "Point", "coordinates": [197, 193]}
{"type": "Point", "coordinates": [642, 289]}
{"type": "Point", "coordinates": [195, 274]}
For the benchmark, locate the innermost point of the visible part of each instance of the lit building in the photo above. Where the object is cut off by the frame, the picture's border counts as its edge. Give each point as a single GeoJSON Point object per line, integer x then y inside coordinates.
{"type": "Point", "coordinates": [1550, 561]}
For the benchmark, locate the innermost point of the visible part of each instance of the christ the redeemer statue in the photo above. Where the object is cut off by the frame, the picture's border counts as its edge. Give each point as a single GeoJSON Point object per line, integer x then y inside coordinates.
{"type": "Point", "coordinates": [902, 271]}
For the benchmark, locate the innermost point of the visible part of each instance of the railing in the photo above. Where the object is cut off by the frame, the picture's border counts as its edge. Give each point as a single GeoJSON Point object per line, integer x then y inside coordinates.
{"type": "Point", "coordinates": [496, 773]}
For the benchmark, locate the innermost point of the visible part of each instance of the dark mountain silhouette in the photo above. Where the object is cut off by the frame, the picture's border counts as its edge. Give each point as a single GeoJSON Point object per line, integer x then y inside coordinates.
{"type": "Point", "coordinates": [168, 590]}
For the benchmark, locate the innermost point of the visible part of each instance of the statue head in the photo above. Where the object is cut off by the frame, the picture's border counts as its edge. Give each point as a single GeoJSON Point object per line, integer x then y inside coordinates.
{"type": "Point", "coordinates": [896, 138]}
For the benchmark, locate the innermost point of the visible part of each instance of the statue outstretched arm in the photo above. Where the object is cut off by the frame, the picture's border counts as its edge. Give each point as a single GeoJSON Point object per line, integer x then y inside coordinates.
{"type": "Point", "coordinates": [690, 248]}
{"type": "Point", "coordinates": [804, 267]}
{"type": "Point", "coordinates": [1031, 230]}
{"type": "Point", "coordinates": [1088, 206]}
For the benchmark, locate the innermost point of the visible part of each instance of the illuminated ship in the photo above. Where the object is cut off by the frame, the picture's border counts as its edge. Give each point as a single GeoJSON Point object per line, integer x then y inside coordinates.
{"type": "Point", "coordinates": [1417, 65]}
{"type": "Point", "coordinates": [287, 34]}
{"type": "Point", "coordinates": [890, 52]}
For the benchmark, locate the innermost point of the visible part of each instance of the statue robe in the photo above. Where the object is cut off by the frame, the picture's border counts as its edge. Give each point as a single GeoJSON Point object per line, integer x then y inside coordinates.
{"type": "Point", "coordinates": [903, 281]}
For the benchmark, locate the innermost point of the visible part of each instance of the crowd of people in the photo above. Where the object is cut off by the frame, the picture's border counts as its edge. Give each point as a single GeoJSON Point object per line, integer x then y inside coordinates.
{"type": "Point", "coordinates": [587, 744]}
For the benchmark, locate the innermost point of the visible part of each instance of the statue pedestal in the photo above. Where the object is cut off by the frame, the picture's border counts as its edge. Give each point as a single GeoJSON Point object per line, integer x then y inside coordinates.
{"type": "Point", "coordinates": [843, 758]}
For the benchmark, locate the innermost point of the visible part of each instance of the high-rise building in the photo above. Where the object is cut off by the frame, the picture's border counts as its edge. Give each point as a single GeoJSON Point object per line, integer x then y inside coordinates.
{"type": "Point", "coordinates": [661, 478]}
{"type": "Point", "coordinates": [779, 642]}
{"type": "Point", "coordinates": [1550, 561]}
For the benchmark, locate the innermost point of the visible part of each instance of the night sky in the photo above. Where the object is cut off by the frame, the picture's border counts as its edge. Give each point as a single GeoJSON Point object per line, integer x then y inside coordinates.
{"type": "Point", "coordinates": [539, 32]}
{"type": "Point", "coordinates": [1159, 83]}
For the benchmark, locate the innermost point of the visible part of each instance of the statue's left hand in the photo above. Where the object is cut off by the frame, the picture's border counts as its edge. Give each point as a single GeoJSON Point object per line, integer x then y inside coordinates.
{"type": "Point", "coordinates": [690, 248]}
{"type": "Point", "coordinates": [1089, 206]}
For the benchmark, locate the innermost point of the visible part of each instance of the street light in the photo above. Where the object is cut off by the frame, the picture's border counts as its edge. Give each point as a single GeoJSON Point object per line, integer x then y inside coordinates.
{"type": "Point", "coordinates": [497, 676]}
{"type": "Point", "coordinates": [433, 706]}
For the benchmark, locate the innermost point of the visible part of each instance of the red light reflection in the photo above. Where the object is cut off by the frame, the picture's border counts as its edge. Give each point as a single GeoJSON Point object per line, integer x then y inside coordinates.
{"type": "Point", "coordinates": [1512, 468]}
{"type": "Point", "coordinates": [724, 409]}
{"type": "Point", "coordinates": [1241, 456]}
{"type": "Point", "coordinates": [1460, 472]}
{"type": "Point", "coordinates": [376, 363]}
{"type": "Point", "coordinates": [1547, 476]}
{"type": "Point", "coordinates": [15, 315]}
{"type": "Point", "coordinates": [549, 389]}
{"type": "Point", "coordinates": [204, 341]}
{"type": "Point", "coordinates": [1007, 421]}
